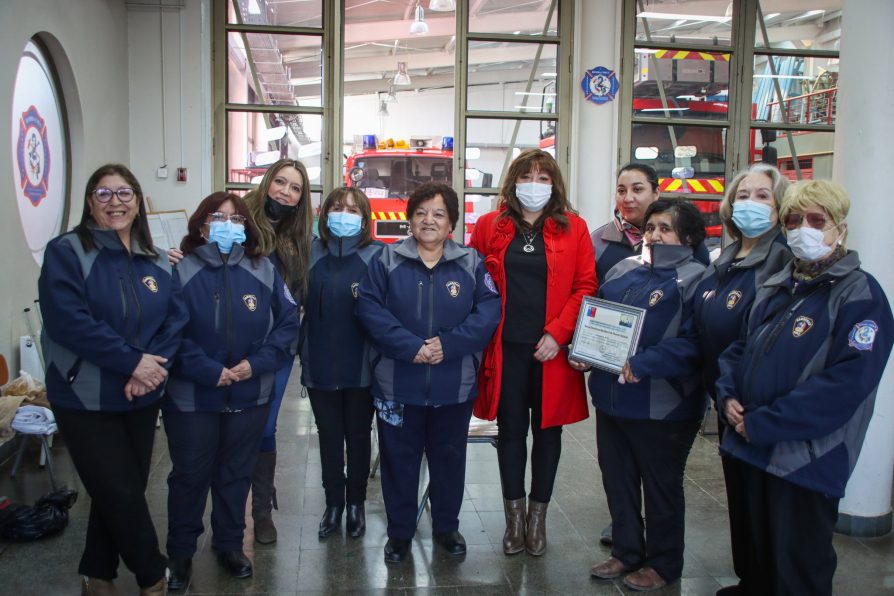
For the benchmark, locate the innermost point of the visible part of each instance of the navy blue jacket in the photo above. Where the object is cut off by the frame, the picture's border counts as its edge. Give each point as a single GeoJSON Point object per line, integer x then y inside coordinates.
{"type": "Point", "coordinates": [807, 374]}
{"type": "Point", "coordinates": [726, 294]}
{"type": "Point", "coordinates": [102, 310]}
{"type": "Point", "coordinates": [402, 302]}
{"type": "Point", "coordinates": [238, 310]}
{"type": "Point", "coordinates": [612, 246]}
{"type": "Point", "coordinates": [334, 348]}
{"type": "Point", "coordinates": [666, 359]}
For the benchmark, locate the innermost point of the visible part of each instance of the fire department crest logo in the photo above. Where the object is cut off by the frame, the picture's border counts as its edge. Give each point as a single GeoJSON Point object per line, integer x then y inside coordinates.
{"type": "Point", "coordinates": [250, 301]}
{"type": "Point", "coordinates": [33, 156]}
{"type": "Point", "coordinates": [354, 291]}
{"type": "Point", "coordinates": [453, 288]}
{"type": "Point", "coordinates": [150, 283]}
{"type": "Point", "coordinates": [655, 297]}
{"type": "Point", "coordinates": [732, 299]}
{"type": "Point", "coordinates": [802, 325]}
{"type": "Point", "coordinates": [862, 336]}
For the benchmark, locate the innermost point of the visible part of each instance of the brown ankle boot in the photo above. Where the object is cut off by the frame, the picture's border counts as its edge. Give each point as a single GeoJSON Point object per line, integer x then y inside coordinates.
{"type": "Point", "coordinates": [263, 498]}
{"type": "Point", "coordinates": [159, 588]}
{"type": "Point", "coordinates": [92, 586]}
{"type": "Point", "coordinates": [535, 539]}
{"type": "Point", "coordinates": [514, 537]}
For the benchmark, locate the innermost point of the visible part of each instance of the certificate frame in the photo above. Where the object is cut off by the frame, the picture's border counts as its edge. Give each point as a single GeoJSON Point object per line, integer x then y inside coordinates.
{"type": "Point", "coordinates": [606, 333]}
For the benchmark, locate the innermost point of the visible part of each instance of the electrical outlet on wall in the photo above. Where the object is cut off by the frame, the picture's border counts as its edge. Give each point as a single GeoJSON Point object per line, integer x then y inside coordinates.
{"type": "Point", "coordinates": [162, 172]}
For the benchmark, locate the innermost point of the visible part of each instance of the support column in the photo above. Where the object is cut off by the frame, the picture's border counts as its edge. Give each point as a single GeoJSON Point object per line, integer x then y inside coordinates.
{"type": "Point", "coordinates": [864, 144]}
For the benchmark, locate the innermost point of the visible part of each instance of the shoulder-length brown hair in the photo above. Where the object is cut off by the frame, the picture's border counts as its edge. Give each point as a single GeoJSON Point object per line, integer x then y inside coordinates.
{"type": "Point", "coordinates": [292, 237]}
{"type": "Point", "coordinates": [336, 198]}
{"type": "Point", "coordinates": [209, 205]}
{"type": "Point", "coordinates": [558, 205]}
{"type": "Point", "coordinates": [140, 224]}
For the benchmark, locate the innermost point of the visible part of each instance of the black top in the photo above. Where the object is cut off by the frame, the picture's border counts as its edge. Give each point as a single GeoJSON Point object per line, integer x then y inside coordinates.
{"type": "Point", "coordinates": [525, 290]}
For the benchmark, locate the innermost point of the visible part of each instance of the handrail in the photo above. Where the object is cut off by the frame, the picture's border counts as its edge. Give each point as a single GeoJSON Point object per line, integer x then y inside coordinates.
{"type": "Point", "coordinates": [817, 107]}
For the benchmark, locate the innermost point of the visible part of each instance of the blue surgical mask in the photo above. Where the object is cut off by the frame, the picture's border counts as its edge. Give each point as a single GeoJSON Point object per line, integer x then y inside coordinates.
{"type": "Point", "coordinates": [752, 218]}
{"type": "Point", "coordinates": [343, 224]}
{"type": "Point", "coordinates": [226, 233]}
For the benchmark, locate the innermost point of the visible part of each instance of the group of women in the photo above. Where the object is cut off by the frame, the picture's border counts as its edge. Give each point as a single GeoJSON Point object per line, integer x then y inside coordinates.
{"type": "Point", "coordinates": [789, 338]}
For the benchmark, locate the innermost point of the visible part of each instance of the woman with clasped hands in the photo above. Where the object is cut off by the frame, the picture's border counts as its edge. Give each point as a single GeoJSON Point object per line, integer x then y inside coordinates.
{"type": "Point", "coordinates": [113, 316]}
{"type": "Point", "coordinates": [429, 307]}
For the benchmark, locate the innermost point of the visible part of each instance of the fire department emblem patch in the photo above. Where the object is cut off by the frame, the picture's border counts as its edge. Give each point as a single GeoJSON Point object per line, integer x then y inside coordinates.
{"type": "Point", "coordinates": [862, 336]}
{"type": "Point", "coordinates": [802, 325]}
{"type": "Point", "coordinates": [732, 299]}
{"type": "Point", "coordinates": [354, 291]}
{"type": "Point", "coordinates": [453, 288]}
{"type": "Point", "coordinates": [33, 155]}
{"type": "Point", "coordinates": [655, 297]}
{"type": "Point", "coordinates": [250, 301]}
{"type": "Point", "coordinates": [150, 283]}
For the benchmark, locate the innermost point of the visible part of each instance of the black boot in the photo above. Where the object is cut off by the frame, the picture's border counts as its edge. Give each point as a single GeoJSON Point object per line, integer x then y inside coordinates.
{"type": "Point", "coordinates": [396, 550]}
{"type": "Point", "coordinates": [179, 572]}
{"type": "Point", "coordinates": [263, 498]}
{"type": "Point", "coordinates": [355, 522]}
{"type": "Point", "coordinates": [331, 521]}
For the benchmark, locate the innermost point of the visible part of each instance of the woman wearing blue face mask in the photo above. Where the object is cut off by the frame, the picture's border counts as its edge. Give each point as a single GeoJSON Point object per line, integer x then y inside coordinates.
{"type": "Point", "coordinates": [243, 321]}
{"type": "Point", "coordinates": [334, 355]}
{"type": "Point", "coordinates": [540, 256]}
{"type": "Point", "coordinates": [725, 296]}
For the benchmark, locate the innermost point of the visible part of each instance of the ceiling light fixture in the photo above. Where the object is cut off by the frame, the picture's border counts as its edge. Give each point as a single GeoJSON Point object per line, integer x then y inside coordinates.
{"type": "Point", "coordinates": [667, 16]}
{"type": "Point", "coordinates": [391, 97]}
{"type": "Point", "coordinates": [383, 107]}
{"type": "Point", "coordinates": [419, 26]}
{"type": "Point", "coordinates": [442, 5]}
{"type": "Point", "coordinates": [402, 77]}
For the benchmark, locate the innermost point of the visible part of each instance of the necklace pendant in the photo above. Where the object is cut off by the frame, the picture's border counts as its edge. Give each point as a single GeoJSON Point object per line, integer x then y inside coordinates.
{"type": "Point", "coordinates": [528, 248]}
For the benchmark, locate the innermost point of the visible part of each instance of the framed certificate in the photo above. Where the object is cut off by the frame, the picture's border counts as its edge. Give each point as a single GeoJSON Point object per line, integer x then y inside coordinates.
{"type": "Point", "coordinates": [606, 334]}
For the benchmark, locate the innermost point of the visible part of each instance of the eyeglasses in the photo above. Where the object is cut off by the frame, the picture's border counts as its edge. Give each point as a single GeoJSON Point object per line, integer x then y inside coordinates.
{"type": "Point", "coordinates": [816, 221]}
{"type": "Point", "coordinates": [222, 217]}
{"type": "Point", "coordinates": [104, 195]}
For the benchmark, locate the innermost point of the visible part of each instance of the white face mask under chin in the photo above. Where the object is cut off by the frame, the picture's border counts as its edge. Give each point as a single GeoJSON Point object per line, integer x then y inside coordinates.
{"type": "Point", "coordinates": [807, 244]}
{"type": "Point", "coordinates": [647, 254]}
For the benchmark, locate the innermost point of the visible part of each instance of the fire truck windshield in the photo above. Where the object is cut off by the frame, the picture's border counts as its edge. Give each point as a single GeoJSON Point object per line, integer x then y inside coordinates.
{"type": "Point", "coordinates": [399, 175]}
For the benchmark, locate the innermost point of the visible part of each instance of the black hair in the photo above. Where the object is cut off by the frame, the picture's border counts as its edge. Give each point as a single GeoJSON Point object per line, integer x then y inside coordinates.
{"type": "Point", "coordinates": [430, 190]}
{"type": "Point", "coordinates": [687, 220]}
{"type": "Point", "coordinates": [647, 171]}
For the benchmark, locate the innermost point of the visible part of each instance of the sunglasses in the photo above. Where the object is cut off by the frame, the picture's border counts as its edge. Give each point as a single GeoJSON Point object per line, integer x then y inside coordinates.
{"type": "Point", "coordinates": [817, 221]}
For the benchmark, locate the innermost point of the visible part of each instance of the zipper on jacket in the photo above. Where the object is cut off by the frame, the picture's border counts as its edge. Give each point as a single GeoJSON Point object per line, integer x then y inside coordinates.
{"type": "Point", "coordinates": [217, 312]}
{"type": "Point", "coordinates": [228, 331]}
{"type": "Point", "coordinates": [137, 305]}
{"type": "Point", "coordinates": [123, 294]}
{"type": "Point", "coordinates": [811, 451]}
{"type": "Point", "coordinates": [419, 300]}
{"type": "Point", "coordinates": [431, 321]}
{"type": "Point", "coordinates": [335, 284]}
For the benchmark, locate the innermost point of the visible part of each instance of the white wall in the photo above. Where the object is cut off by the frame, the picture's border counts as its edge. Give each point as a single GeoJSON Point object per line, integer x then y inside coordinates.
{"type": "Point", "coordinates": [186, 127]}
{"type": "Point", "coordinates": [88, 43]}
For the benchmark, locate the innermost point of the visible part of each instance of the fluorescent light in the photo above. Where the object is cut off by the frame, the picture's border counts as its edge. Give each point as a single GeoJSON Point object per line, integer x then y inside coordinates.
{"type": "Point", "coordinates": [442, 5]}
{"type": "Point", "coordinates": [777, 76]}
{"type": "Point", "coordinates": [533, 93]}
{"type": "Point", "coordinates": [663, 109]}
{"type": "Point", "coordinates": [253, 7]}
{"type": "Point", "coordinates": [772, 15]}
{"type": "Point", "coordinates": [527, 108]}
{"type": "Point", "coordinates": [667, 16]}
{"type": "Point", "coordinates": [548, 75]}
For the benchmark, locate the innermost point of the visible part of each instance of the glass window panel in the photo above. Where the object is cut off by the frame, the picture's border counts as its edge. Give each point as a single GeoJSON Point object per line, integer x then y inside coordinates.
{"type": "Point", "coordinates": [283, 13]}
{"type": "Point", "coordinates": [681, 169]}
{"type": "Point", "coordinates": [809, 88]}
{"type": "Point", "coordinates": [512, 16]}
{"type": "Point", "coordinates": [288, 69]}
{"type": "Point", "coordinates": [658, 21]}
{"type": "Point", "coordinates": [696, 84]}
{"type": "Point", "coordinates": [256, 140]}
{"type": "Point", "coordinates": [499, 73]}
{"type": "Point", "coordinates": [492, 144]}
{"type": "Point", "coordinates": [814, 24]}
{"type": "Point", "coordinates": [813, 151]}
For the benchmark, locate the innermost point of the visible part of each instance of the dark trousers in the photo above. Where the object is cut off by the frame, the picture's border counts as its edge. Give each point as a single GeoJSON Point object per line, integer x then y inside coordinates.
{"type": "Point", "coordinates": [440, 433]}
{"type": "Point", "coordinates": [216, 451]}
{"type": "Point", "coordinates": [646, 458]}
{"type": "Point", "coordinates": [112, 452]}
{"type": "Point", "coordinates": [344, 421]}
{"type": "Point", "coordinates": [739, 524]}
{"type": "Point", "coordinates": [521, 407]}
{"type": "Point", "coordinates": [791, 530]}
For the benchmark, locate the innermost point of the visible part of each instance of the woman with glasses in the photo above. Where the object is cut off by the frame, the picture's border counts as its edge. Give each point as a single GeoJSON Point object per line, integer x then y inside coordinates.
{"type": "Point", "coordinates": [798, 393]}
{"type": "Point", "coordinates": [335, 355]}
{"type": "Point", "coordinates": [723, 299]}
{"type": "Point", "coordinates": [281, 211]}
{"type": "Point", "coordinates": [429, 307]}
{"type": "Point", "coordinates": [243, 322]}
{"type": "Point", "coordinates": [113, 316]}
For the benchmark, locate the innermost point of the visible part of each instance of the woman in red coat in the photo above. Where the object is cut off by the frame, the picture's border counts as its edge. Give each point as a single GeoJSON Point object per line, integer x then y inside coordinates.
{"type": "Point", "coordinates": [539, 253]}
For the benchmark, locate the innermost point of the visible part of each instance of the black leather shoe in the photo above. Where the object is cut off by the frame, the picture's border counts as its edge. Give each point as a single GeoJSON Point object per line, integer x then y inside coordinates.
{"type": "Point", "coordinates": [453, 542]}
{"type": "Point", "coordinates": [331, 521]}
{"type": "Point", "coordinates": [396, 550]}
{"type": "Point", "coordinates": [179, 571]}
{"type": "Point", "coordinates": [235, 562]}
{"type": "Point", "coordinates": [734, 590]}
{"type": "Point", "coordinates": [355, 521]}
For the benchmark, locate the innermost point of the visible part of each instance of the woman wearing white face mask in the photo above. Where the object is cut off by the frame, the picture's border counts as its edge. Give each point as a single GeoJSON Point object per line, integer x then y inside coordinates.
{"type": "Point", "coordinates": [798, 393]}
{"type": "Point", "coordinates": [539, 253]}
{"type": "Point", "coordinates": [335, 355]}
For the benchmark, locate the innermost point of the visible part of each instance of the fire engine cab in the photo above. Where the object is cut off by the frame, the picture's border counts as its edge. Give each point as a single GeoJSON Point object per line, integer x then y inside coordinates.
{"type": "Point", "coordinates": [388, 171]}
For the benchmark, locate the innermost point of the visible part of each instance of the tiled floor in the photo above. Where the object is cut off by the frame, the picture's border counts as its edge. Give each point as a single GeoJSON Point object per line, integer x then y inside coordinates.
{"type": "Point", "coordinates": [301, 564]}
